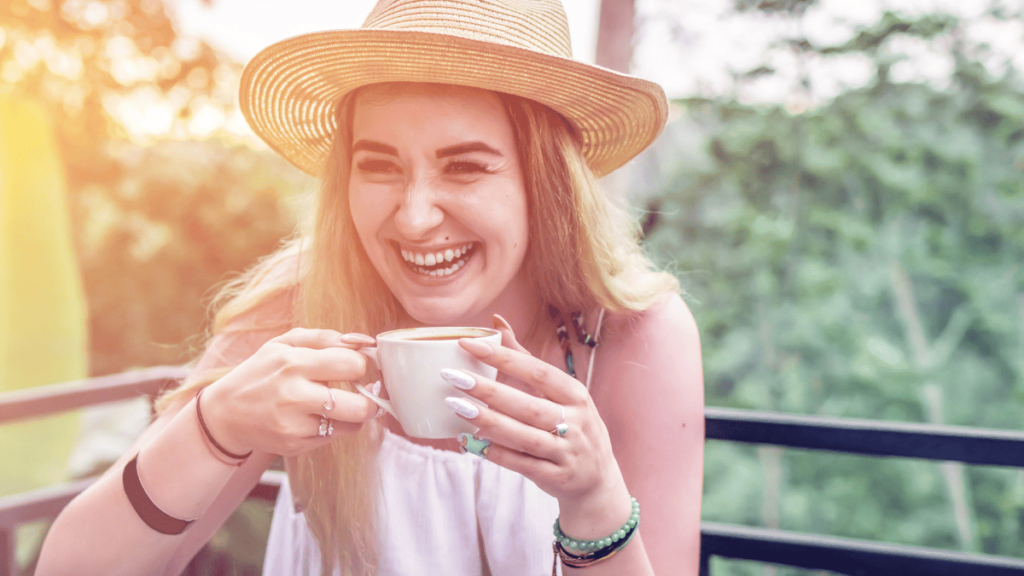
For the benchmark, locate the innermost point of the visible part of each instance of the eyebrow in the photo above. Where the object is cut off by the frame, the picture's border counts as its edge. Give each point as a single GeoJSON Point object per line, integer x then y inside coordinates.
{"type": "Point", "coordinates": [371, 146]}
{"type": "Point", "coordinates": [465, 148]}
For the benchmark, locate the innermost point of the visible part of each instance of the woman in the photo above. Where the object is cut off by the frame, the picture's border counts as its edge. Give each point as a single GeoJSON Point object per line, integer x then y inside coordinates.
{"type": "Point", "coordinates": [440, 127]}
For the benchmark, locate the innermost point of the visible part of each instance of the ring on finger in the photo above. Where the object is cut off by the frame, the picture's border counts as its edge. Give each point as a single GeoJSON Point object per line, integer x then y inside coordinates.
{"type": "Point", "coordinates": [329, 405]}
{"type": "Point", "coordinates": [326, 427]}
{"type": "Point", "coordinates": [561, 429]}
{"type": "Point", "coordinates": [473, 445]}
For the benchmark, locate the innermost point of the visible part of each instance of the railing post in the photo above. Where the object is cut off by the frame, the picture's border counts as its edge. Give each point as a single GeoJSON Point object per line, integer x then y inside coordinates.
{"type": "Point", "coordinates": [8, 552]}
{"type": "Point", "coordinates": [705, 563]}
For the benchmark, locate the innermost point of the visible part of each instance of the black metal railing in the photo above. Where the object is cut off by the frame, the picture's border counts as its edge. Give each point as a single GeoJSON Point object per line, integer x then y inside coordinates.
{"type": "Point", "coordinates": [808, 551]}
{"type": "Point", "coordinates": [866, 438]}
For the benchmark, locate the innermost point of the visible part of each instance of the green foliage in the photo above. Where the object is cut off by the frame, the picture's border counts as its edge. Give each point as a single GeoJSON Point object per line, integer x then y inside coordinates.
{"type": "Point", "coordinates": [862, 259]}
{"type": "Point", "coordinates": [183, 216]}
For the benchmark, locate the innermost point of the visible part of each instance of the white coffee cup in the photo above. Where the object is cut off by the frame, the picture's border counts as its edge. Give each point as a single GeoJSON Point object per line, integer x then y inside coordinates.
{"type": "Point", "coordinates": [411, 360]}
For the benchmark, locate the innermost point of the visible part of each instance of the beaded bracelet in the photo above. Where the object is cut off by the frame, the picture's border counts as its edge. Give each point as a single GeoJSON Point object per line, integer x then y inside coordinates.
{"type": "Point", "coordinates": [595, 550]}
{"type": "Point", "coordinates": [584, 560]}
{"type": "Point", "coordinates": [593, 545]}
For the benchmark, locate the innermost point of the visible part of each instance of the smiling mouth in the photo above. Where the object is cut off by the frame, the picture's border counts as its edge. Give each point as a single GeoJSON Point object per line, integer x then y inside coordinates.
{"type": "Point", "coordinates": [440, 262]}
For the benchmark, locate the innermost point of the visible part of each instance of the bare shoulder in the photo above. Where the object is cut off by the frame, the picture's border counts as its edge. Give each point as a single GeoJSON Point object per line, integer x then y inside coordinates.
{"type": "Point", "coordinates": [652, 340]}
{"type": "Point", "coordinates": [649, 361]}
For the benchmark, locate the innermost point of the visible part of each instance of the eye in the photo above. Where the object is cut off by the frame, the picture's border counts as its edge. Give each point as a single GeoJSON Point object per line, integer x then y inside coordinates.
{"type": "Point", "coordinates": [375, 166]}
{"type": "Point", "coordinates": [465, 167]}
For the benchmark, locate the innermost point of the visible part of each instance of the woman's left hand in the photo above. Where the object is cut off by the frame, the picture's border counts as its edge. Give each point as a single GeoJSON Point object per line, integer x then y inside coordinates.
{"type": "Point", "coordinates": [578, 468]}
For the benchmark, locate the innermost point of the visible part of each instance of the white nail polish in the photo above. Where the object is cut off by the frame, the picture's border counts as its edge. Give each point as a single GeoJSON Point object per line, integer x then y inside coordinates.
{"type": "Point", "coordinates": [458, 378]}
{"type": "Point", "coordinates": [462, 407]}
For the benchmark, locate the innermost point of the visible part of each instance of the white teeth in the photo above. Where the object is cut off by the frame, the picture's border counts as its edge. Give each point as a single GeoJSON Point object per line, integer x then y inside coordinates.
{"type": "Point", "coordinates": [449, 255]}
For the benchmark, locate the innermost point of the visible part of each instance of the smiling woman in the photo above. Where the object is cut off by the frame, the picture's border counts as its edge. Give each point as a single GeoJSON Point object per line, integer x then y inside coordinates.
{"type": "Point", "coordinates": [435, 169]}
{"type": "Point", "coordinates": [458, 163]}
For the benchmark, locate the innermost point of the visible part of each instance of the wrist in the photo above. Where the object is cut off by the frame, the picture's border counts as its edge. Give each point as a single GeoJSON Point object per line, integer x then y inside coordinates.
{"type": "Point", "coordinates": [597, 515]}
{"type": "Point", "coordinates": [221, 445]}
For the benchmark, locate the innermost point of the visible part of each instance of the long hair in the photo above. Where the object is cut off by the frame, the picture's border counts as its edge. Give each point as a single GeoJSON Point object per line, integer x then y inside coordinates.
{"type": "Point", "coordinates": [583, 252]}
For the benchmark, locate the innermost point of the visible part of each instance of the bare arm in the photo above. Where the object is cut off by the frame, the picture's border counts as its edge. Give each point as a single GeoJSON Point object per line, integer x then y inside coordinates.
{"type": "Point", "coordinates": [269, 403]}
{"type": "Point", "coordinates": [649, 388]}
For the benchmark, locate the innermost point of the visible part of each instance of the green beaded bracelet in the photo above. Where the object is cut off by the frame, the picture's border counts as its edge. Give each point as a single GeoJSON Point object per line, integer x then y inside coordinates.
{"type": "Point", "coordinates": [600, 543]}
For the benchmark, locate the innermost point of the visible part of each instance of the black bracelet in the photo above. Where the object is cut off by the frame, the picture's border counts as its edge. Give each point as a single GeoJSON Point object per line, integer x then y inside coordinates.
{"type": "Point", "coordinates": [206, 432]}
{"type": "Point", "coordinates": [153, 516]}
{"type": "Point", "coordinates": [586, 559]}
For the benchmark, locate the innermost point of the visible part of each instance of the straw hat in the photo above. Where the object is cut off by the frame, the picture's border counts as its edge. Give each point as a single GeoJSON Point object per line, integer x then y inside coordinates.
{"type": "Point", "coordinates": [290, 90]}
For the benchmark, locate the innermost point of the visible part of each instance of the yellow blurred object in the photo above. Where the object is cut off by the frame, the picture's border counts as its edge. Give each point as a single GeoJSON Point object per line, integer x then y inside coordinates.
{"type": "Point", "coordinates": [43, 330]}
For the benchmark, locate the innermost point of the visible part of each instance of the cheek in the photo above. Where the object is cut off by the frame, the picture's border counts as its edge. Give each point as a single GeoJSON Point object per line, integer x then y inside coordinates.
{"type": "Point", "coordinates": [364, 215]}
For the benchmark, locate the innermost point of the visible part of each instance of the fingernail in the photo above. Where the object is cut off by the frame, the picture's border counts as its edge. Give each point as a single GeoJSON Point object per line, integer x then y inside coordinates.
{"type": "Point", "coordinates": [462, 407]}
{"type": "Point", "coordinates": [500, 323]}
{"type": "Point", "coordinates": [458, 378]}
{"type": "Point", "coordinates": [476, 347]}
{"type": "Point", "coordinates": [358, 339]}
{"type": "Point", "coordinates": [375, 389]}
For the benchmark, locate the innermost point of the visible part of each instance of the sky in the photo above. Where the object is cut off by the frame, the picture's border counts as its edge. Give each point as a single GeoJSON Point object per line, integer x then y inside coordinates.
{"type": "Point", "coordinates": [690, 47]}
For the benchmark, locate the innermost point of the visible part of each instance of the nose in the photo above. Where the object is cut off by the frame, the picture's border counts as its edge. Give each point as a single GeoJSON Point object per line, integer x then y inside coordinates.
{"type": "Point", "coordinates": [419, 212]}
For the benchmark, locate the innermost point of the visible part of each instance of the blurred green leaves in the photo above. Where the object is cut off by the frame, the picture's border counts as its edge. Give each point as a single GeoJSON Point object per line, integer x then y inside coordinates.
{"type": "Point", "coordinates": [861, 259]}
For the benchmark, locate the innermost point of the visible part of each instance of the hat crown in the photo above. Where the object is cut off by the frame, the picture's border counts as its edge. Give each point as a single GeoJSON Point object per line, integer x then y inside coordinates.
{"type": "Point", "coordinates": [537, 25]}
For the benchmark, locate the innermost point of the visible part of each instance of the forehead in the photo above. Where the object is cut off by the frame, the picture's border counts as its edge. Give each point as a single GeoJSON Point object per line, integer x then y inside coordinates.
{"type": "Point", "coordinates": [429, 104]}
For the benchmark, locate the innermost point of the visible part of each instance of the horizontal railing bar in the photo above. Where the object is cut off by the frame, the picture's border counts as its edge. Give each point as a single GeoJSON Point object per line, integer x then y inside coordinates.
{"type": "Point", "coordinates": [48, 502]}
{"type": "Point", "coordinates": [847, 555]}
{"type": "Point", "coordinates": [868, 437]}
{"type": "Point", "coordinates": [55, 398]}
{"type": "Point", "coordinates": [37, 504]}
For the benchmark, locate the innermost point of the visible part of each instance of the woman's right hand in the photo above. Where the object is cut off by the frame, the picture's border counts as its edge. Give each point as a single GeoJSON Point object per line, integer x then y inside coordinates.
{"type": "Point", "coordinates": [272, 402]}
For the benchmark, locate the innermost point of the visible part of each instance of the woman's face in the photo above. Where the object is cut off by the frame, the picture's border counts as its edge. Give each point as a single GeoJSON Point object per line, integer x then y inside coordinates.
{"type": "Point", "coordinates": [436, 193]}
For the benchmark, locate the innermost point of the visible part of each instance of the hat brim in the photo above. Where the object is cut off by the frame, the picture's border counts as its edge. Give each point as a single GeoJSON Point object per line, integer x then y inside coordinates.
{"type": "Point", "coordinates": [289, 91]}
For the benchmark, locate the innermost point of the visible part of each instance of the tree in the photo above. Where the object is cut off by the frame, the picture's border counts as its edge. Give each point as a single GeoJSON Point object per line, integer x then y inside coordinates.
{"type": "Point", "coordinates": [862, 259]}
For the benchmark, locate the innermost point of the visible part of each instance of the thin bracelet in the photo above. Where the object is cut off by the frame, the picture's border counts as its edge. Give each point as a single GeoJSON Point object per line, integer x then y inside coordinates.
{"type": "Point", "coordinates": [584, 560]}
{"type": "Point", "coordinates": [206, 432]}
{"type": "Point", "coordinates": [144, 506]}
{"type": "Point", "coordinates": [594, 551]}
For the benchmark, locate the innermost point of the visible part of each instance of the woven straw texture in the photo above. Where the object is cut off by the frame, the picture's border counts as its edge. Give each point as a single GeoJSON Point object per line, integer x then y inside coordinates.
{"type": "Point", "coordinates": [290, 90]}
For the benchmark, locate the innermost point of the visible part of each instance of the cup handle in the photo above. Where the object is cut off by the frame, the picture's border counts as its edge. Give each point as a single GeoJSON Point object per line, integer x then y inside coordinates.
{"type": "Point", "coordinates": [371, 353]}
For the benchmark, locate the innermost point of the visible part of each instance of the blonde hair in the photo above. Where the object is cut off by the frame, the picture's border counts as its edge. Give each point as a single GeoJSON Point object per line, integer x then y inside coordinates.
{"type": "Point", "coordinates": [583, 253]}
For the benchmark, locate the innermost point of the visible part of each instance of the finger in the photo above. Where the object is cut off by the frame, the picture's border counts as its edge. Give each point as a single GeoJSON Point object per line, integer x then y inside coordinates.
{"type": "Point", "coordinates": [507, 431]}
{"type": "Point", "coordinates": [318, 339]}
{"type": "Point", "coordinates": [324, 365]}
{"type": "Point", "coordinates": [508, 337]}
{"type": "Point", "coordinates": [351, 407]}
{"type": "Point", "coordinates": [543, 377]}
{"type": "Point", "coordinates": [526, 408]}
{"type": "Point", "coordinates": [537, 469]}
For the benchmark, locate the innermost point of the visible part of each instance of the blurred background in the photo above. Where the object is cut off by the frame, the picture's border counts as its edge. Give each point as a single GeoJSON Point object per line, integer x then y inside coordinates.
{"type": "Point", "coordinates": [840, 191]}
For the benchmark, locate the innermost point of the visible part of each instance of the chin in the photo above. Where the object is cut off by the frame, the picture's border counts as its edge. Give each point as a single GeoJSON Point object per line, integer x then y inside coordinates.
{"type": "Point", "coordinates": [438, 313]}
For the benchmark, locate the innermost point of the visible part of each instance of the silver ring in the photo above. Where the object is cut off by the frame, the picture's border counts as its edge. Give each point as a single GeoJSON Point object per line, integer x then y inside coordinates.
{"type": "Point", "coordinates": [561, 428]}
{"type": "Point", "coordinates": [326, 427]}
{"type": "Point", "coordinates": [329, 405]}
